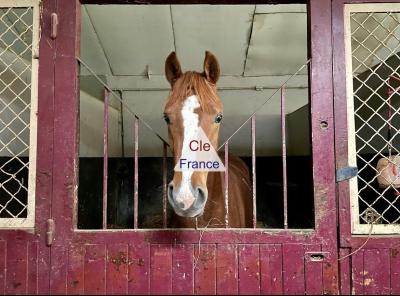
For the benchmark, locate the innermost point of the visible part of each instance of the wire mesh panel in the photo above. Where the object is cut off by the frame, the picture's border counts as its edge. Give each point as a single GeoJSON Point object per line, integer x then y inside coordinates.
{"type": "Point", "coordinates": [373, 95]}
{"type": "Point", "coordinates": [19, 37]}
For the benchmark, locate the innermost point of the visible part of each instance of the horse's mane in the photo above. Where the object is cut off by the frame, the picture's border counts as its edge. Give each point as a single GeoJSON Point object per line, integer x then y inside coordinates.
{"type": "Point", "coordinates": [194, 83]}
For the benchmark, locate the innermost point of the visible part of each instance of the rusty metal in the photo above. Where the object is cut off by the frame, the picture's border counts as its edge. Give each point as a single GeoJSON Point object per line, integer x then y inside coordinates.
{"type": "Point", "coordinates": [226, 154]}
{"type": "Point", "coordinates": [136, 172]}
{"type": "Point", "coordinates": [165, 185]}
{"type": "Point", "coordinates": [253, 168]}
{"type": "Point", "coordinates": [54, 25]}
{"type": "Point", "coordinates": [50, 232]}
{"type": "Point", "coordinates": [105, 156]}
{"type": "Point", "coordinates": [284, 164]}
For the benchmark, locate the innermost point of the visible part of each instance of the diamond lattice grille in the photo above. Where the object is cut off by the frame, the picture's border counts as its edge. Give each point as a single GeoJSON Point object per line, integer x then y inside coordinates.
{"type": "Point", "coordinates": [16, 35]}
{"type": "Point", "coordinates": [375, 50]}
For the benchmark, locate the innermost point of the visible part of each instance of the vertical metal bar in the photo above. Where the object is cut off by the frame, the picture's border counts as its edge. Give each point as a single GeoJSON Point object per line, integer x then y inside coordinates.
{"type": "Point", "coordinates": [284, 167]}
{"type": "Point", "coordinates": [226, 184]}
{"type": "Point", "coordinates": [136, 172]}
{"type": "Point", "coordinates": [105, 156]}
{"type": "Point", "coordinates": [164, 185]}
{"type": "Point", "coordinates": [253, 167]}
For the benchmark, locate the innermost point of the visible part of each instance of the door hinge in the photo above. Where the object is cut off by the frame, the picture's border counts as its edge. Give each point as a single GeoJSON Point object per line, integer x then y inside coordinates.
{"type": "Point", "coordinates": [54, 25]}
{"type": "Point", "coordinates": [50, 232]}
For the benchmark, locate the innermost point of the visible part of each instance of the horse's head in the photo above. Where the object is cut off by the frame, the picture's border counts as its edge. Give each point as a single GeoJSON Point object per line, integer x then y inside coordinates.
{"type": "Point", "coordinates": [192, 103]}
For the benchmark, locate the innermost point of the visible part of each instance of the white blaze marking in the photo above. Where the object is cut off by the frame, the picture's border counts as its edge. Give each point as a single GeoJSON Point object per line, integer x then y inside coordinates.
{"type": "Point", "coordinates": [190, 131]}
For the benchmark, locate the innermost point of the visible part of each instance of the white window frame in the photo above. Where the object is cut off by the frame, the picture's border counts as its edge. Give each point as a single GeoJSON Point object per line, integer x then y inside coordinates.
{"type": "Point", "coordinates": [29, 221]}
{"type": "Point", "coordinates": [356, 227]}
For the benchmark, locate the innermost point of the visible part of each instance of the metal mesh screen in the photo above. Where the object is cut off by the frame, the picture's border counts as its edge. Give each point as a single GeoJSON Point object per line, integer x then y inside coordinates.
{"type": "Point", "coordinates": [375, 58]}
{"type": "Point", "coordinates": [16, 48]}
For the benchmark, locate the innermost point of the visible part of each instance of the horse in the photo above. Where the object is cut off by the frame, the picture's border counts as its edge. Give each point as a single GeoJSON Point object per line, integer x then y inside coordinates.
{"type": "Point", "coordinates": [198, 197]}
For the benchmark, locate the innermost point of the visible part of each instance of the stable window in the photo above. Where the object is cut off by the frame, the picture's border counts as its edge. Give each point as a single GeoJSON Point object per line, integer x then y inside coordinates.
{"type": "Point", "coordinates": [124, 160]}
{"type": "Point", "coordinates": [372, 38]}
{"type": "Point", "coordinates": [19, 44]}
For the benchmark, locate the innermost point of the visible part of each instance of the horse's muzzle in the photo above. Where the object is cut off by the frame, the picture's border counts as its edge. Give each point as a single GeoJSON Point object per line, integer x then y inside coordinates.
{"type": "Point", "coordinates": [190, 204]}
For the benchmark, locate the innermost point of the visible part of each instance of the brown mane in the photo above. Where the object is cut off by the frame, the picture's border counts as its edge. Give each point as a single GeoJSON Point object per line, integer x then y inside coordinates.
{"type": "Point", "coordinates": [194, 83]}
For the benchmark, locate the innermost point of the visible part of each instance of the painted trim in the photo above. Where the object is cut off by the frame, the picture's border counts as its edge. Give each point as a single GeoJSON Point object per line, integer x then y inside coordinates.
{"type": "Point", "coordinates": [29, 221]}
{"type": "Point", "coordinates": [356, 227]}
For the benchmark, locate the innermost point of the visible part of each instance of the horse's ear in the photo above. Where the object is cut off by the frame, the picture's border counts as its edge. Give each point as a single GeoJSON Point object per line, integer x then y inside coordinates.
{"type": "Point", "coordinates": [172, 68]}
{"type": "Point", "coordinates": [211, 68]}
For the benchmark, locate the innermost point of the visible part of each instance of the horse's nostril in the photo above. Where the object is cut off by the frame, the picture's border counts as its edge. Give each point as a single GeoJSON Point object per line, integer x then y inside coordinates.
{"type": "Point", "coordinates": [170, 189]}
{"type": "Point", "coordinates": [181, 205]}
{"type": "Point", "coordinates": [201, 195]}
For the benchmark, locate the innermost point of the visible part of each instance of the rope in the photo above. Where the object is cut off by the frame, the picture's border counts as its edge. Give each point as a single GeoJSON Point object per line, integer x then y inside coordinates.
{"type": "Point", "coordinates": [371, 219]}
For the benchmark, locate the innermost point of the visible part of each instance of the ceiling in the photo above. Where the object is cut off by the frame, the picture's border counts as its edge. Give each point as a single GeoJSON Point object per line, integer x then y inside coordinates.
{"type": "Point", "coordinates": [257, 46]}
{"type": "Point", "coordinates": [249, 40]}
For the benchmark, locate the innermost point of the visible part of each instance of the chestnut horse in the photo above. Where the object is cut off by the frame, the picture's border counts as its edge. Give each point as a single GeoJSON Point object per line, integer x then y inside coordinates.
{"type": "Point", "coordinates": [192, 103]}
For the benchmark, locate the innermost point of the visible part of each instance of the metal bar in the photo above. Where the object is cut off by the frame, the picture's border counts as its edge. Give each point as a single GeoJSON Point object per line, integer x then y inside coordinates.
{"type": "Point", "coordinates": [116, 96]}
{"type": "Point", "coordinates": [253, 168]}
{"type": "Point", "coordinates": [105, 156]}
{"type": "Point", "coordinates": [165, 186]}
{"type": "Point", "coordinates": [284, 167]}
{"type": "Point", "coordinates": [265, 102]}
{"type": "Point", "coordinates": [226, 184]}
{"type": "Point", "coordinates": [136, 172]}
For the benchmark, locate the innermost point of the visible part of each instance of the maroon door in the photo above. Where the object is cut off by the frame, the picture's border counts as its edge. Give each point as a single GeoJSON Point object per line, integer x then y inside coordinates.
{"type": "Point", "coordinates": [24, 255]}
{"type": "Point", "coordinates": [189, 261]}
{"type": "Point", "coordinates": [369, 260]}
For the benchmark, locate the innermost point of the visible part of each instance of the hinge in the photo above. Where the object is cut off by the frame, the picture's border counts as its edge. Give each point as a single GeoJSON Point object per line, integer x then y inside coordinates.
{"type": "Point", "coordinates": [50, 232]}
{"type": "Point", "coordinates": [54, 25]}
{"type": "Point", "coordinates": [346, 173]}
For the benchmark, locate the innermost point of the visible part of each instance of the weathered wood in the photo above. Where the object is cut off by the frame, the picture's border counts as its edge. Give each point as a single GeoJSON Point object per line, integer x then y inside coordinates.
{"type": "Point", "coordinates": [32, 268]}
{"type": "Point", "coordinates": [75, 271]}
{"type": "Point", "coordinates": [227, 269]}
{"type": "Point", "coordinates": [271, 269]}
{"type": "Point", "coordinates": [3, 246]}
{"type": "Point", "coordinates": [293, 269]}
{"type": "Point", "coordinates": [117, 269]}
{"type": "Point", "coordinates": [191, 2]}
{"type": "Point", "coordinates": [161, 269]}
{"type": "Point", "coordinates": [16, 263]}
{"type": "Point", "coordinates": [139, 269]}
{"type": "Point", "coordinates": [182, 269]}
{"type": "Point", "coordinates": [394, 271]}
{"type": "Point", "coordinates": [323, 152]}
{"type": "Point", "coordinates": [249, 269]}
{"type": "Point", "coordinates": [345, 272]}
{"type": "Point", "coordinates": [358, 273]}
{"type": "Point", "coordinates": [313, 272]}
{"type": "Point", "coordinates": [95, 269]}
{"type": "Point", "coordinates": [205, 264]}
{"type": "Point", "coordinates": [377, 272]}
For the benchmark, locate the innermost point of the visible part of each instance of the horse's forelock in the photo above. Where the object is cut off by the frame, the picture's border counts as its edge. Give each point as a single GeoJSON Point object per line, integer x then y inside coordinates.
{"type": "Point", "coordinates": [194, 83]}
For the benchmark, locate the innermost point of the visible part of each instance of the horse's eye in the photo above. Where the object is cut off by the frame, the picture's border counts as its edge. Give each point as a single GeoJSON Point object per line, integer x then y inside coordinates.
{"type": "Point", "coordinates": [166, 118]}
{"type": "Point", "coordinates": [218, 118]}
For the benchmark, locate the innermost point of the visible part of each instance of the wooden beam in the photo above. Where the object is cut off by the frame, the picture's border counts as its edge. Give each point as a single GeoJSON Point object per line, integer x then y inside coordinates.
{"type": "Point", "coordinates": [158, 82]}
{"type": "Point", "coordinates": [230, 2]}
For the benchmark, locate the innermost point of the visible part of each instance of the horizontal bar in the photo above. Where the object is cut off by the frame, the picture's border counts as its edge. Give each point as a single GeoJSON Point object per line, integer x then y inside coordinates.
{"type": "Point", "coordinates": [223, 2]}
